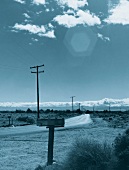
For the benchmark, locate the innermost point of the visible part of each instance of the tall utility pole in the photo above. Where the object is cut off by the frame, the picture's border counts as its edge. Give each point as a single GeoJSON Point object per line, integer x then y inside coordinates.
{"type": "Point", "coordinates": [37, 72]}
{"type": "Point", "coordinates": [93, 108]}
{"type": "Point", "coordinates": [109, 107]}
{"type": "Point", "coordinates": [72, 102]}
{"type": "Point", "coordinates": [79, 106]}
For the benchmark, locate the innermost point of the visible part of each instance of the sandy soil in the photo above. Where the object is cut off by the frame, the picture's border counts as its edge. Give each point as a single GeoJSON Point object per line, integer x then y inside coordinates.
{"type": "Point", "coordinates": [25, 152]}
{"type": "Point", "coordinates": [114, 119]}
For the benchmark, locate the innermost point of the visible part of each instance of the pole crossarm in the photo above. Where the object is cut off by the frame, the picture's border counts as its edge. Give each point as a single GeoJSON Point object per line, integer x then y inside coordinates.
{"type": "Point", "coordinates": [38, 71]}
{"type": "Point", "coordinates": [33, 72]}
{"type": "Point", "coordinates": [72, 96]}
{"type": "Point", "coordinates": [41, 65]}
{"type": "Point", "coordinates": [41, 71]}
{"type": "Point", "coordinates": [37, 66]}
{"type": "Point", "coordinates": [33, 67]}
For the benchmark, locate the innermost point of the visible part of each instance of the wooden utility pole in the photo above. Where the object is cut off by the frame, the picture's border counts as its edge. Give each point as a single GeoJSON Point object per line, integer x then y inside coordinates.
{"type": "Point", "coordinates": [37, 73]}
{"type": "Point", "coordinates": [109, 107]}
{"type": "Point", "coordinates": [72, 102]}
{"type": "Point", "coordinates": [93, 108]}
{"type": "Point", "coordinates": [79, 106]}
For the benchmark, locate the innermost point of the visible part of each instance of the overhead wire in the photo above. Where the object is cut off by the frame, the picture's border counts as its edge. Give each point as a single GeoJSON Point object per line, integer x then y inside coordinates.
{"type": "Point", "coordinates": [10, 67]}
{"type": "Point", "coordinates": [24, 60]}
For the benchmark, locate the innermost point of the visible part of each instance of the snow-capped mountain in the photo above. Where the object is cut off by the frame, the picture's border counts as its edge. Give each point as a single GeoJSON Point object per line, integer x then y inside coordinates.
{"type": "Point", "coordinates": [101, 104]}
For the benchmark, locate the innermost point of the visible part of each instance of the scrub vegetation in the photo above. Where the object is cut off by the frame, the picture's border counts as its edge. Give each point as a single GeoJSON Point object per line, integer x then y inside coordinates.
{"type": "Point", "coordinates": [86, 154]}
{"type": "Point", "coordinates": [72, 146]}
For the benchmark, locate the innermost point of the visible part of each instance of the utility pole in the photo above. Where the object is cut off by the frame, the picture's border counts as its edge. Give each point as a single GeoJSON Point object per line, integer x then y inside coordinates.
{"type": "Point", "coordinates": [120, 108]}
{"type": "Point", "coordinates": [37, 73]}
{"type": "Point", "coordinates": [93, 108]}
{"type": "Point", "coordinates": [79, 106]}
{"type": "Point", "coordinates": [72, 102]}
{"type": "Point", "coordinates": [109, 107]}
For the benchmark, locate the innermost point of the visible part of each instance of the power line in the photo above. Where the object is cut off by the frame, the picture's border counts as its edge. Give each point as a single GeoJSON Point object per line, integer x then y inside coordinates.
{"type": "Point", "coordinates": [37, 72]}
{"type": "Point", "coordinates": [3, 66]}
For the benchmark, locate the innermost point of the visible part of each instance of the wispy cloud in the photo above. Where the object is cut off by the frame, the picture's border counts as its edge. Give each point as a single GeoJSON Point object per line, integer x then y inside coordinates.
{"type": "Point", "coordinates": [119, 14]}
{"type": "Point", "coordinates": [103, 38]}
{"type": "Point", "coordinates": [38, 2]}
{"type": "Point", "coordinates": [31, 28]}
{"type": "Point", "coordinates": [26, 15]}
{"type": "Point", "coordinates": [20, 1]}
{"type": "Point", "coordinates": [35, 39]}
{"type": "Point", "coordinates": [81, 17]}
{"type": "Point", "coordinates": [34, 29]}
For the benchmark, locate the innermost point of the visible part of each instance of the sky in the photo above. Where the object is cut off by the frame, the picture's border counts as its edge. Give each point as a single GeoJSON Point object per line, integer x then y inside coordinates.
{"type": "Point", "coordinates": [83, 44]}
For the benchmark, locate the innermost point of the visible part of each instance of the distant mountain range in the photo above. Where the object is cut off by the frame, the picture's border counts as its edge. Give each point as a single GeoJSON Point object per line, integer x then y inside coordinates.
{"type": "Point", "coordinates": [104, 104]}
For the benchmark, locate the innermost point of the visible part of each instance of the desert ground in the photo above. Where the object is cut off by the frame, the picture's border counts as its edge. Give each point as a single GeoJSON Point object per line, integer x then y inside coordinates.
{"type": "Point", "coordinates": [27, 151]}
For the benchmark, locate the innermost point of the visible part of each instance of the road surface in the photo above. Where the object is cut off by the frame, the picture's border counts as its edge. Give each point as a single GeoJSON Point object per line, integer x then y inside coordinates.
{"type": "Point", "coordinates": [29, 129]}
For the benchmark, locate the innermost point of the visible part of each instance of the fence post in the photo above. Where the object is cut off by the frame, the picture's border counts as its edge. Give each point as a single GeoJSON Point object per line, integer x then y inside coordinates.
{"type": "Point", "coordinates": [9, 119]}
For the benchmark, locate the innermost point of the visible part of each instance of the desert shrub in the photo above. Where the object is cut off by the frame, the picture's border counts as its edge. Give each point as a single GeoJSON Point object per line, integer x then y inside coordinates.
{"type": "Point", "coordinates": [40, 168]}
{"type": "Point", "coordinates": [51, 167]}
{"type": "Point", "coordinates": [89, 155]}
{"type": "Point", "coordinates": [121, 149]}
{"type": "Point", "coordinates": [30, 120]}
{"type": "Point", "coordinates": [27, 119]}
{"type": "Point", "coordinates": [29, 110]}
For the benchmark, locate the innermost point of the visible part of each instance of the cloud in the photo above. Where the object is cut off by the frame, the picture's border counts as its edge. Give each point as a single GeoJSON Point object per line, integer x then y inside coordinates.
{"type": "Point", "coordinates": [38, 13]}
{"type": "Point", "coordinates": [31, 28]}
{"type": "Point", "coordinates": [26, 15]}
{"type": "Point", "coordinates": [67, 20]}
{"type": "Point", "coordinates": [34, 29]}
{"type": "Point", "coordinates": [75, 4]}
{"type": "Point", "coordinates": [49, 34]}
{"type": "Point", "coordinates": [20, 1]}
{"type": "Point", "coordinates": [38, 2]}
{"type": "Point", "coordinates": [81, 17]}
{"type": "Point", "coordinates": [50, 25]}
{"type": "Point", "coordinates": [35, 39]}
{"type": "Point", "coordinates": [98, 103]}
{"type": "Point", "coordinates": [88, 18]}
{"type": "Point", "coordinates": [119, 14]}
{"type": "Point", "coordinates": [103, 38]}
{"type": "Point", "coordinates": [47, 10]}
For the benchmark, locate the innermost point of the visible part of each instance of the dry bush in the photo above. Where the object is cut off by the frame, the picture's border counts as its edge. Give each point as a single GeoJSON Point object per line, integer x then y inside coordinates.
{"type": "Point", "coordinates": [50, 167]}
{"type": "Point", "coordinates": [121, 149]}
{"type": "Point", "coordinates": [26, 119]}
{"type": "Point", "coordinates": [89, 155]}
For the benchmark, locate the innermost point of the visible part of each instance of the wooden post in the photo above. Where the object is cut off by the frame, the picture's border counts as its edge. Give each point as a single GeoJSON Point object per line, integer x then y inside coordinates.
{"type": "Point", "coordinates": [50, 145]}
{"type": "Point", "coordinates": [51, 124]}
{"type": "Point", "coordinates": [9, 119]}
{"type": "Point", "coordinates": [12, 120]}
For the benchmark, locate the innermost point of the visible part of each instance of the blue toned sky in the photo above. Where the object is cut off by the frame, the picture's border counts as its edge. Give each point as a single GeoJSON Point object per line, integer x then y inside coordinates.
{"type": "Point", "coordinates": [84, 45]}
